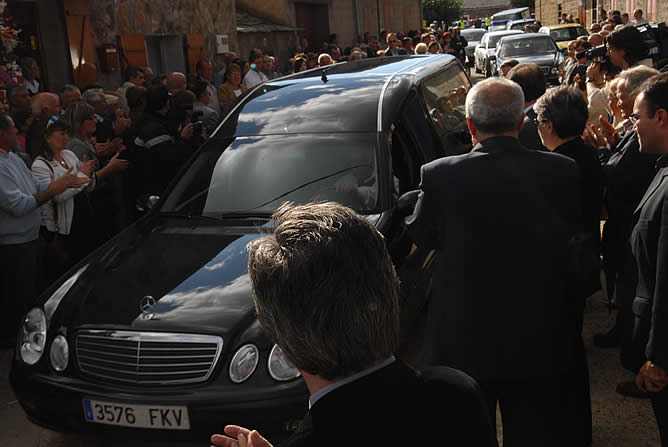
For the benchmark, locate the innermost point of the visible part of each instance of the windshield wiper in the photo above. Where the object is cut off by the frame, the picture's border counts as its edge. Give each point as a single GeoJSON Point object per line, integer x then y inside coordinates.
{"type": "Point", "coordinates": [188, 216]}
{"type": "Point", "coordinates": [303, 186]}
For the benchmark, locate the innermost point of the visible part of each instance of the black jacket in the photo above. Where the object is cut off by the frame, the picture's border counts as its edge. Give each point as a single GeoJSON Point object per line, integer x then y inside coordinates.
{"type": "Point", "coordinates": [500, 219]}
{"type": "Point", "coordinates": [650, 249]}
{"type": "Point", "coordinates": [529, 134]}
{"type": "Point", "coordinates": [397, 406]}
{"type": "Point", "coordinates": [628, 173]}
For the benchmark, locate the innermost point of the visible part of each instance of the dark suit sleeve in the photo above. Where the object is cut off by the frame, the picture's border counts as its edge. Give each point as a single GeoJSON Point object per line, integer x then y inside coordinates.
{"type": "Point", "coordinates": [657, 346]}
{"type": "Point", "coordinates": [464, 408]}
{"type": "Point", "coordinates": [424, 223]}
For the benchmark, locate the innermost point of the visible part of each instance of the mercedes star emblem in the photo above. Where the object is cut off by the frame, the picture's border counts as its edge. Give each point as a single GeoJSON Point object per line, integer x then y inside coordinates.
{"type": "Point", "coordinates": [146, 306]}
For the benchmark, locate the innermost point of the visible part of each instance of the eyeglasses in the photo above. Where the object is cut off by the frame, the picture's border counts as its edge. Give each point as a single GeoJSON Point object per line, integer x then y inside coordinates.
{"type": "Point", "coordinates": [537, 121]}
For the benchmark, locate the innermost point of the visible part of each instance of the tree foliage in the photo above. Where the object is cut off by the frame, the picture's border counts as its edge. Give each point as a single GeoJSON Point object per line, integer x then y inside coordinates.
{"type": "Point", "coordinates": [445, 10]}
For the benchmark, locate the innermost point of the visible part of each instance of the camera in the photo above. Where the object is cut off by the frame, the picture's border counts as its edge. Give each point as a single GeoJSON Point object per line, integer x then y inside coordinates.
{"type": "Point", "coordinates": [601, 52]}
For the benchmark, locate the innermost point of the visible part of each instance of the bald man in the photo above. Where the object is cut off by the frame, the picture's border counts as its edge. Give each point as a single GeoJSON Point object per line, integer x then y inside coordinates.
{"type": "Point", "coordinates": [595, 39]}
{"type": "Point", "coordinates": [176, 82]}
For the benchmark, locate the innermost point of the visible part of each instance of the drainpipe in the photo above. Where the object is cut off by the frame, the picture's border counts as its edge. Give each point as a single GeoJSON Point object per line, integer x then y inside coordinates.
{"type": "Point", "coordinates": [378, 14]}
{"type": "Point", "coordinates": [421, 17]}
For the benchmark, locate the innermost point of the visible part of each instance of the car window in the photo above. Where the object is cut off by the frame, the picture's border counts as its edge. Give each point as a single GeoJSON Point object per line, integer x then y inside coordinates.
{"type": "Point", "coordinates": [257, 174]}
{"type": "Point", "coordinates": [473, 34]}
{"type": "Point", "coordinates": [492, 40]}
{"type": "Point", "coordinates": [568, 33]}
{"type": "Point", "coordinates": [444, 95]}
{"type": "Point", "coordinates": [526, 47]}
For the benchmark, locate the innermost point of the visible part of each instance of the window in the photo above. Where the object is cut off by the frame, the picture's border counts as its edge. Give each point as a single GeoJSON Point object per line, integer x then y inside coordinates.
{"type": "Point", "coordinates": [445, 94]}
{"type": "Point", "coordinates": [559, 10]}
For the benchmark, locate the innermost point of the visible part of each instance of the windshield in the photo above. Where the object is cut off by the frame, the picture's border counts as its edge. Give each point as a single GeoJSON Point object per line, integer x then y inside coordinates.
{"type": "Point", "coordinates": [569, 33]}
{"type": "Point", "coordinates": [527, 47]}
{"type": "Point", "coordinates": [492, 40]}
{"type": "Point", "coordinates": [473, 34]}
{"type": "Point", "coordinates": [254, 175]}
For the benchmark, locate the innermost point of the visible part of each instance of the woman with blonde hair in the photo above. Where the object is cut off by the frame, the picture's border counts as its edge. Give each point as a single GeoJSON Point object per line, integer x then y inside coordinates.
{"type": "Point", "coordinates": [421, 48]}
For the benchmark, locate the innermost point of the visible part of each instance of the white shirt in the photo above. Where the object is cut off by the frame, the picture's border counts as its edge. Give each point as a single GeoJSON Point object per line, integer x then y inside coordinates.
{"type": "Point", "coordinates": [642, 21]}
{"type": "Point", "coordinates": [254, 78]}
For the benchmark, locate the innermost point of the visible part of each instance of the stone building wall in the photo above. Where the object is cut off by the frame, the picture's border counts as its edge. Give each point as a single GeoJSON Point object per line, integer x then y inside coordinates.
{"type": "Point", "coordinates": [546, 10]}
{"type": "Point", "coordinates": [112, 18]}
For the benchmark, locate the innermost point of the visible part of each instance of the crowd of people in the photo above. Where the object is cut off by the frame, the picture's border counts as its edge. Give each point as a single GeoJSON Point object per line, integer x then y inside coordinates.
{"type": "Point", "coordinates": [548, 165]}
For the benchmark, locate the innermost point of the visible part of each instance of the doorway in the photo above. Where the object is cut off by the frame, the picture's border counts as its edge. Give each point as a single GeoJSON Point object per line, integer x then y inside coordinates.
{"type": "Point", "coordinates": [313, 21]}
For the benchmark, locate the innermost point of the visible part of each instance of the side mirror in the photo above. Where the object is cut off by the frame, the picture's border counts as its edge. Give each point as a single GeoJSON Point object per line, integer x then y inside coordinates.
{"type": "Point", "coordinates": [407, 201]}
{"type": "Point", "coordinates": [151, 201]}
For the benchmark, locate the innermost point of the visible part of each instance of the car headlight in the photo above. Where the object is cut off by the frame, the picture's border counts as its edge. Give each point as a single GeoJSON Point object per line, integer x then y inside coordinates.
{"type": "Point", "coordinates": [33, 336]}
{"type": "Point", "coordinates": [280, 368]}
{"type": "Point", "coordinates": [554, 70]}
{"type": "Point", "coordinates": [60, 353]}
{"type": "Point", "coordinates": [243, 363]}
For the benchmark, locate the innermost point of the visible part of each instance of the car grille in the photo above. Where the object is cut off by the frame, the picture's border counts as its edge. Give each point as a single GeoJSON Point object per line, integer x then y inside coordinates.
{"type": "Point", "coordinates": [153, 358]}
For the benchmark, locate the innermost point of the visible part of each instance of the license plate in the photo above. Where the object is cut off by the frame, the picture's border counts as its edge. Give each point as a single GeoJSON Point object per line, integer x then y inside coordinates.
{"type": "Point", "coordinates": [164, 417]}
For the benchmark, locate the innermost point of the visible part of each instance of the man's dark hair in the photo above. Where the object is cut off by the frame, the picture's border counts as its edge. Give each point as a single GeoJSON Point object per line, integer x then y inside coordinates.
{"type": "Point", "coordinates": [253, 57]}
{"type": "Point", "coordinates": [157, 96]}
{"type": "Point", "coordinates": [616, 12]}
{"type": "Point", "coordinates": [200, 63]}
{"type": "Point", "coordinates": [630, 40]}
{"type": "Point", "coordinates": [131, 72]}
{"type": "Point", "coordinates": [325, 289]}
{"type": "Point", "coordinates": [531, 78]}
{"type": "Point", "coordinates": [20, 116]}
{"type": "Point", "coordinates": [655, 92]}
{"type": "Point", "coordinates": [13, 90]}
{"type": "Point", "coordinates": [198, 88]}
{"type": "Point", "coordinates": [5, 122]}
{"type": "Point", "coordinates": [565, 108]}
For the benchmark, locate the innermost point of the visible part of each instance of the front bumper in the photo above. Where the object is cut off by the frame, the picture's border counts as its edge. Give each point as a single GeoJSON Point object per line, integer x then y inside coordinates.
{"type": "Point", "coordinates": [55, 402]}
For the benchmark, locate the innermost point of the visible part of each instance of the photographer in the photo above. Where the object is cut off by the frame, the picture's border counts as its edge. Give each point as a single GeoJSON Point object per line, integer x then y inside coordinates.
{"type": "Point", "coordinates": [161, 153]}
{"type": "Point", "coordinates": [627, 49]}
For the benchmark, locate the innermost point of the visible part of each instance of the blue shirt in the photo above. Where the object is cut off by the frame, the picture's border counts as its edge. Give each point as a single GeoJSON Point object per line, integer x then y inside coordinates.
{"type": "Point", "coordinates": [19, 214]}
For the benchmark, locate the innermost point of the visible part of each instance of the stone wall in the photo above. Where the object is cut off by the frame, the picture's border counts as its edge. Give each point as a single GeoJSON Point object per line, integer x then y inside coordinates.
{"type": "Point", "coordinates": [276, 11]}
{"type": "Point", "coordinates": [111, 18]}
{"type": "Point", "coordinates": [547, 9]}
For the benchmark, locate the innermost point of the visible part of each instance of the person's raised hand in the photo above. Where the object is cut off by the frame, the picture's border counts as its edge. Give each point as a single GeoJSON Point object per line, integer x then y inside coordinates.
{"type": "Point", "coordinates": [608, 131]}
{"type": "Point", "coordinates": [187, 131]}
{"type": "Point", "coordinates": [105, 148]}
{"type": "Point", "coordinates": [87, 166]}
{"type": "Point", "coordinates": [594, 136]}
{"type": "Point", "coordinates": [66, 181]}
{"type": "Point", "coordinates": [593, 70]}
{"type": "Point", "coordinates": [116, 164]}
{"type": "Point", "coordinates": [239, 437]}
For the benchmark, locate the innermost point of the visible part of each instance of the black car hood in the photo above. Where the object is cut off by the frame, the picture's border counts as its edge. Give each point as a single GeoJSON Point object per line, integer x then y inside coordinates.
{"type": "Point", "coordinates": [197, 276]}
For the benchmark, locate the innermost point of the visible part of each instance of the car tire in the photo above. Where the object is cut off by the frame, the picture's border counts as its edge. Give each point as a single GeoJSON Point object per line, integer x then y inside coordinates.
{"type": "Point", "coordinates": [488, 69]}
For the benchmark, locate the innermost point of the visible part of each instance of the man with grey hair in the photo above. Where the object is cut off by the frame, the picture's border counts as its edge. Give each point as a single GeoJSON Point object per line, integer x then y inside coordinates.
{"type": "Point", "coordinates": [340, 329]}
{"type": "Point", "coordinates": [500, 279]}
{"type": "Point", "coordinates": [69, 94]}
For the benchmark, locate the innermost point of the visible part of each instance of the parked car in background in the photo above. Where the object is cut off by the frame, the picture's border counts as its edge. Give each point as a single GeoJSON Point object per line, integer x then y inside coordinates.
{"type": "Point", "coordinates": [487, 48]}
{"type": "Point", "coordinates": [472, 36]}
{"type": "Point", "coordinates": [501, 18]}
{"type": "Point", "coordinates": [562, 34]}
{"type": "Point", "coordinates": [154, 336]}
{"type": "Point", "coordinates": [519, 24]}
{"type": "Point", "coordinates": [528, 48]}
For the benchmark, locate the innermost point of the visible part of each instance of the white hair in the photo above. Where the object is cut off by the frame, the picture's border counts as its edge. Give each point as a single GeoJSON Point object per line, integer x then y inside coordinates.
{"type": "Point", "coordinates": [39, 99]}
{"type": "Point", "coordinates": [495, 105]}
{"type": "Point", "coordinates": [323, 56]}
{"type": "Point", "coordinates": [93, 96]}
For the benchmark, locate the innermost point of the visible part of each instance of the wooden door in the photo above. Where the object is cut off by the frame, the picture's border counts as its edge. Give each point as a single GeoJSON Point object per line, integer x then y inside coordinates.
{"type": "Point", "coordinates": [133, 50]}
{"type": "Point", "coordinates": [195, 50]}
{"type": "Point", "coordinates": [80, 37]}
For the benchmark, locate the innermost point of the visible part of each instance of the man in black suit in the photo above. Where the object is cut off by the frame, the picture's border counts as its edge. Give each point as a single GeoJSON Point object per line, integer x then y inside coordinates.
{"type": "Point", "coordinates": [339, 327]}
{"type": "Point", "coordinates": [650, 249]}
{"type": "Point", "coordinates": [500, 219]}
{"type": "Point", "coordinates": [531, 79]}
